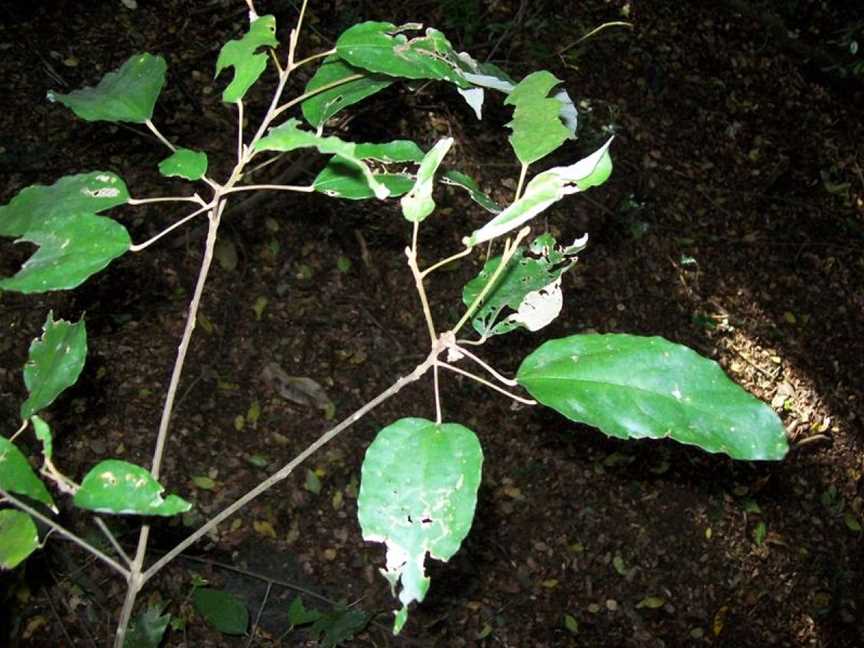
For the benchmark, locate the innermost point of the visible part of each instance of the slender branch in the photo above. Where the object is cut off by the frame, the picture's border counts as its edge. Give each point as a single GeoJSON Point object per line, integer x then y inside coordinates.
{"type": "Point", "coordinates": [318, 90]}
{"type": "Point", "coordinates": [239, 131]}
{"type": "Point", "coordinates": [614, 23]}
{"type": "Point", "coordinates": [314, 57]}
{"type": "Point", "coordinates": [23, 427]}
{"type": "Point", "coordinates": [265, 163]}
{"type": "Point", "coordinates": [144, 201]}
{"type": "Point", "coordinates": [159, 135]}
{"type": "Point", "coordinates": [483, 381]}
{"type": "Point", "coordinates": [444, 262]}
{"type": "Point", "coordinates": [63, 531]}
{"type": "Point", "coordinates": [288, 468]}
{"type": "Point", "coordinates": [182, 221]}
{"type": "Point", "coordinates": [112, 539]}
{"type": "Point", "coordinates": [421, 291]}
{"type": "Point", "coordinates": [501, 378]}
{"type": "Point", "coordinates": [437, 394]}
{"type": "Point", "coordinates": [522, 173]}
{"type": "Point", "coordinates": [300, 188]}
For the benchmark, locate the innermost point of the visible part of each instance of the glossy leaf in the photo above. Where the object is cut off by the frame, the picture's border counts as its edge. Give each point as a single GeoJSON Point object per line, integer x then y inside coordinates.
{"type": "Point", "coordinates": [16, 475]}
{"type": "Point", "coordinates": [536, 125]}
{"type": "Point", "coordinates": [18, 538]}
{"type": "Point", "coordinates": [148, 628]}
{"type": "Point", "coordinates": [43, 433]}
{"type": "Point", "coordinates": [638, 387]}
{"type": "Point", "coordinates": [125, 95]}
{"type": "Point", "coordinates": [244, 57]}
{"type": "Point", "coordinates": [531, 274]}
{"type": "Point", "coordinates": [184, 163]}
{"type": "Point", "coordinates": [73, 242]}
{"type": "Point", "coordinates": [222, 610]}
{"type": "Point", "coordinates": [341, 179]}
{"type": "Point", "coordinates": [466, 182]}
{"type": "Point", "coordinates": [54, 363]}
{"type": "Point", "coordinates": [418, 203]}
{"type": "Point", "coordinates": [327, 103]}
{"type": "Point", "coordinates": [417, 495]}
{"type": "Point", "coordinates": [544, 190]}
{"type": "Point", "coordinates": [384, 48]}
{"type": "Point", "coordinates": [289, 137]}
{"type": "Point", "coordinates": [391, 152]}
{"type": "Point", "coordinates": [115, 486]}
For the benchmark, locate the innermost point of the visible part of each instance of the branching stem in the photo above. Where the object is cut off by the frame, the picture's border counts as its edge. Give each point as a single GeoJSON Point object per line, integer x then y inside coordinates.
{"type": "Point", "coordinates": [483, 381]}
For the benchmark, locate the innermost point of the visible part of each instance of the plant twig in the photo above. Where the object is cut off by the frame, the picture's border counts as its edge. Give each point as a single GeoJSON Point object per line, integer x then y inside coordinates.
{"type": "Point", "coordinates": [160, 136]}
{"type": "Point", "coordinates": [271, 187]}
{"type": "Point", "coordinates": [112, 539]}
{"type": "Point", "coordinates": [483, 381]}
{"type": "Point", "coordinates": [141, 246]}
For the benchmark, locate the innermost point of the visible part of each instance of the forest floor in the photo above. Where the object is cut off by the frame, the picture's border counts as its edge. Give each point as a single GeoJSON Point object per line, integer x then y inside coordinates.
{"type": "Point", "coordinates": [733, 223]}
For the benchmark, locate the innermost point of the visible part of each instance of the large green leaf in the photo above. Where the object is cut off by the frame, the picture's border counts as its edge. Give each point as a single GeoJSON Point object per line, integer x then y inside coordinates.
{"type": "Point", "coordinates": [544, 190]}
{"type": "Point", "coordinates": [244, 57]}
{"type": "Point", "coordinates": [417, 495]}
{"type": "Point", "coordinates": [341, 179]}
{"type": "Point", "coordinates": [288, 137]}
{"type": "Point", "coordinates": [418, 203]}
{"type": "Point", "coordinates": [390, 152]}
{"type": "Point", "coordinates": [115, 486]}
{"type": "Point", "coordinates": [54, 363]}
{"type": "Point", "coordinates": [222, 610]}
{"type": "Point", "coordinates": [537, 126]}
{"type": "Point", "coordinates": [74, 242]}
{"type": "Point", "coordinates": [18, 538]}
{"type": "Point", "coordinates": [323, 105]}
{"type": "Point", "coordinates": [530, 288]}
{"type": "Point", "coordinates": [637, 387]}
{"type": "Point", "coordinates": [383, 48]}
{"type": "Point", "coordinates": [16, 475]}
{"type": "Point", "coordinates": [126, 95]}
{"type": "Point", "coordinates": [184, 163]}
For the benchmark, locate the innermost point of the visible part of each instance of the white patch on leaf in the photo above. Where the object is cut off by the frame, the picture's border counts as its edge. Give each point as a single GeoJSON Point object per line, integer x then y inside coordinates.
{"type": "Point", "coordinates": [540, 307]}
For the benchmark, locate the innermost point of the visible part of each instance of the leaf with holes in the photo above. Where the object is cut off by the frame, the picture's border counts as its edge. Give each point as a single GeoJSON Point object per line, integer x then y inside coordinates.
{"type": "Point", "coordinates": [54, 363]}
{"type": "Point", "coordinates": [184, 163]}
{"type": "Point", "coordinates": [466, 182]}
{"type": "Point", "coordinates": [323, 105]}
{"type": "Point", "coordinates": [61, 219]}
{"type": "Point", "coordinates": [244, 57]}
{"type": "Point", "coordinates": [16, 475]}
{"type": "Point", "coordinates": [529, 287]}
{"type": "Point", "coordinates": [418, 203]}
{"type": "Point", "coordinates": [18, 538]}
{"type": "Point", "coordinates": [126, 95]}
{"type": "Point", "coordinates": [289, 137]}
{"type": "Point", "coordinates": [536, 125]}
{"type": "Point", "coordinates": [634, 387]}
{"type": "Point", "coordinates": [222, 610]}
{"type": "Point", "coordinates": [418, 493]}
{"type": "Point", "coordinates": [544, 190]}
{"type": "Point", "coordinates": [341, 179]}
{"type": "Point", "coordinates": [115, 486]}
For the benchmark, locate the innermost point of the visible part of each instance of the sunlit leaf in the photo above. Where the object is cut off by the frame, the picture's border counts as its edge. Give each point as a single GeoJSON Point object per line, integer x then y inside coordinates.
{"type": "Point", "coordinates": [126, 95]}
{"type": "Point", "coordinates": [184, 163]}
{"type": "Point", "coordinates": [222, 610]}
{"type": "Point", "coordinates": [115, 486]}
{"type": "Point", "coordinates": [536, 125]}
{"type": "Point", "coordinates": [325, 104]}
{"type": "Point", "coordinates": [16, 475]}
{"type": "Point", "coordinates": [244, 57]}
{"type": "Point", "coordinates": [418, 203]}
{"type": "Point", "coordinates": [417, 495]}
{"type": "Point", "coordinates": [390, 152]}
{"type": "Point", "coordinates": [18, 538]}
{"type": "Point", "coordinates": [637, 387]}
{"type": "Point", "coordinates": [54, 363]}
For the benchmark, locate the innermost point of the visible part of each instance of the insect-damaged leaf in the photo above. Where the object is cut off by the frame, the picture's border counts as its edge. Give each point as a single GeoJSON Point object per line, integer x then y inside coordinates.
{"type": "Point", "coordinates": [325, 104]}
{"type": "Point", "coordinates": [537, 127]}
{"type": "Point", "coordinates": [634, 387]}
{"type": "Point", "coordinates": [115, 486]}
{"type": "Point", "coordinates": [184, 163]}
{"type": "Point", "coordinates": [418, 203]}
{"type": "Point", "coordinates": [417, 495]}
{"type": "Point", "coordinates": [244, 57]}
{"type": "Point", "coordinates": [126, 95]}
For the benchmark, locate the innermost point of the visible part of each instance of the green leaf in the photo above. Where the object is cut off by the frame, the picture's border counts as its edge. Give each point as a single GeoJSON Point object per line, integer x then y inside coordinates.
{"type": "Point", "coordinates": [418, 203]}
{"type": "Point", "coordinates": [760, 532]}
{"type": "Point", "coordinates": [222, 610]}
{"type": "Point", "coordinates": [74, 242]}
{"type": "Point", "coordinates": [381, 47]}
{"type": "Point", "coordinates": [536, 125]}
{"type": "Point", "coordinates": [651, 602]}
{"type": "Point", "coordinates": [338, 626]}
{"type": "Point", "coordinates": [312, 483]}
{"type": "Point", "coordinates": [299, 615]}
{"type": "Point", "coordinates": [115, 486]}
{"type": "Point", "coordinates": [571, 624]}
{"type": "Point", "coordinates": [184, 163]}
{"type": "Point", "coordinates": [18, 538]}
{"type": "Point", "coordinates": [43, 433]}
{"type": "Point", "coordinates": [459, 179]}
{"type": "Point", "coordinates": [148, 628]}
{"type": "Point", "coordinates": [852, 522]}
{"type": "Point", "coordinates": [341, 179]}
{"type": "Point", "coordinates": [241, 55]}
{"type": "Point", "coordinates": [126, 95]}
{"type": "Point", "coordinates": [288, 137]}
{"type": "Point", "coordinates": [637, 387]}
{"type": "Point", "coordinates": [16, 475]}
{"type": "Point", "coordinates": [54, 363]}
{"type": "Point", "coordinates": [324, 105]}
{"type": "Point", "coordinates": [390, 152]}
{"type": "Point", "coordinates": [530, 288]}
{"type": "Point", "coordinates": [544, 190]}
{"type": "Point", "coordinates": [418, 493]}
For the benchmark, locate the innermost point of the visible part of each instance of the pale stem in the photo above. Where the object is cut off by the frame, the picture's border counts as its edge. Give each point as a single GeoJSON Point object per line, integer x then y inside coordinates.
{"type": "Point", "coordinates": [182, 221]}
{"type": "Point", "coordinates": [112, 539]}
{"type": "Point", "coordinates": [269, 187]}
{"type": "Point", "coordinates": [507, 381]}
{"type": "Point", "coordinates": [144, 201]}
{"type": "Point", "coordinates": [265, 163]}
{"type": "Point", "coordinates": [444, 262]}
{"type": "Point", "coordinates": [509, 251]}
{"type": "Point", "coordinates": [519, 186]}
{"type": "Point", "coordinates": [288, 468]}
{"type": "Point", "coordinates": [421, 291]}
{"type": "Point", "coordinates": [160, 136]}
{"type": "Point", "coordinates": [239, 131]}
{"type": "Point", "coordinates": [66, 533]}
{"type": "Point", "coordinates": [483, 381]}
{"type": "Point", "coordinates": [314, 57]}
{"type": "Point", "coordinates": [20, 429]}
{"type": "Point", "coordinates": [437, 394]}
{"type": "Point", "coordinates": [312, 93]}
